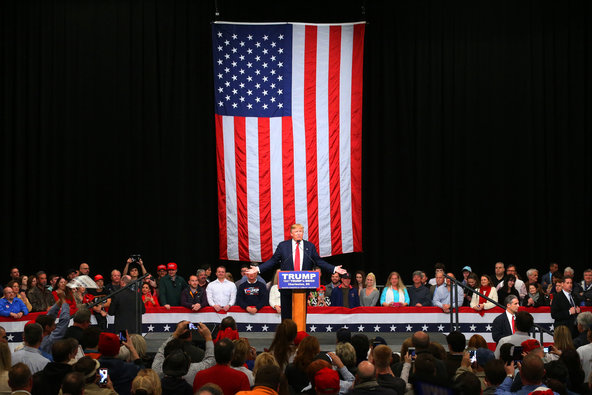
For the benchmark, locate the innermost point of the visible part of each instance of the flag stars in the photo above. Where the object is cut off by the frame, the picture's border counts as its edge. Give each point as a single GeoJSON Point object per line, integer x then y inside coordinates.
{"type": "Point", "coordinates": [234, 91]}
{"type": "Point", "coordinates": [220, 34]}
{"type": "Point", "coordinates": [273, 44]}
{"type": "Point", "coordinates": [234, 36]}
{"type": "Point", "coordinates": [265, 38]}
{"type": "Point", "coordinates": [280, 91]}
{"type": "Point", "coordinates": [258, 44]}
{"type": "Point", "coordinates": [264, 65]}
{"type": "Point", "coordinates": [227, 97]}
{"type": "Point", "coordinates": [264, 93]}
{"type": "Point", "coordinates": [242, 57]}
{"type": "Point", "coordinates": [257, 58]}
{"type": "Point", "coordinates": [272, 72]}
{"type": "Point", "coordinates": [226, 56]}
{"type": "Point", "coordinates": [265, 106]}
{"type": "Point", "coordinates": [227, 84]}
{"type": "Point", "coordinates": [265, 52]}
{"type": "Point", "coordinates": [242, 99]}
{"type": "Point", "coordinates": [220, 103]}
{"type": "Point", "coordinates": [226, 70]}
{"type": "Point", "coordinates": [220, 89]}
{"type": "Point", "coordinates": [226, 42]}
{"type": "Point", "coordinates": [281, 50]}
{"type": "Point", "coordinates": [249, 51]}
{"type": "Point", "coordinates": [257, 85]}
{"type": "Point", "coordinates": [234, 105]}
{"type": "Point", "coordinates": [220, 61]}
{"type": "Point", "coordinates": [272, 86]}
{"type": "Point", "coordinates": [272, 100]}
{"type": "Point", "coordinates": [281, 37]}
{"type": "Point", "coordinates": [242, 71]}
{"type": "Point", "coordinates": [280, 105]}
{"type": "Point", "coordinates": [220, 75]}
{"type": "Point", "coordinates": [249, 92]}
{"type": "Point", "coordinates": [242, 44]}
{"type": "Point", "coordinates": [264, 79]}
{"type": "Point", "coordinates": [249, 78]}
{"type": "Point", "coordinates": [280, 64]}
{"type": "Point", "coordinates": [234, 64]}
{"type": "Point", "coordinates": [272, 58]}
{"type": "Point", "coordinates": [219, 48]}
{"type": "Point", "coordinates": [234, 77]}
{"type": "Point", "coordinates": [257, 99]}
{"type": "Point", "coordinates": [257, 72]}
{"type": "Point", "coordinates": [249, 64]}
{"type": "Point", "coordinates": [249, 106]}
{"type": "Point", "coordinates": [242, 84]}
{"type": "Point", "coordinates": [250, 37]}
{"type": "Point", "coordinates": [233, 50]}
{"type": "Point", "coordinates": [280, 78]}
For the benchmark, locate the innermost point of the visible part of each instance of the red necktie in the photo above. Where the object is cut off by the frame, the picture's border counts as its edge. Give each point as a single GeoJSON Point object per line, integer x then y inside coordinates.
{"type": "Point", "coordinates": [513, 324]}
{"type": "Point", "coordinates": [297, 257]}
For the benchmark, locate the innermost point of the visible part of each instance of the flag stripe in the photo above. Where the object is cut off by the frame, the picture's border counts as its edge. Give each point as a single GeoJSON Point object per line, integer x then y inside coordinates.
{"type": "Point", "coordinates": [221, 188]}
{"type": "Point", "coordinates": [230, 181]}
{"type": "Point", "coordinates": [287, 146]}
{"type": "Point", "coordinates": [322, 116]}
{"type": "Point", "coordinates": [298, 131]}
{"type": "Point", "coordinates": [264, 191]}
{"type": "Point", "coordinates": [356, 122]}
{"type": "Point", "coordinates": [310, 116]}
{"type": "Point", "coordinates": [241, 187]}
{"type": "Point", "coordinates": [253, 185]}
{"type": "Point", "coordinates": [345, 138]}
{"type": "Point", "coordinates": [334, 142]}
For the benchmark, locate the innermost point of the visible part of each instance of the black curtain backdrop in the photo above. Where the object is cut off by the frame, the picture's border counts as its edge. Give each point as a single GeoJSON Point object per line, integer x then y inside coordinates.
{"type": "Point", "coordinates": [477, 132]}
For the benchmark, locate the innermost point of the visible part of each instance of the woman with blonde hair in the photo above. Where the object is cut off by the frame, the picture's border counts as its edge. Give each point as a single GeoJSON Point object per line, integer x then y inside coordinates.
{"type": "Point", "coordinates": [394, 293]}
{"type": "Point", "coordinates": [264, 359]}
{"type": "Point", "coordinates": [369, 295]}
{"type": "Point", "coordinates": [561, 341]}
{"type": "Point", "coordinates": [151, 374]}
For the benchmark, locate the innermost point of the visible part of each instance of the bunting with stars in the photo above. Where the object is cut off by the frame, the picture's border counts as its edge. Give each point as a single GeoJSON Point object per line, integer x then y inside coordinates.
{"type": "Point", "coordinates": [288, 115]}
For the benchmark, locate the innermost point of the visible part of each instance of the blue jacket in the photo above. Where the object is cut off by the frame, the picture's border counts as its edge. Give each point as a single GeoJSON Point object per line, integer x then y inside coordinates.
{"type": "Point", "coordinates": [16, 306]}
{"type": "Point", "coordinates": [337, 297]}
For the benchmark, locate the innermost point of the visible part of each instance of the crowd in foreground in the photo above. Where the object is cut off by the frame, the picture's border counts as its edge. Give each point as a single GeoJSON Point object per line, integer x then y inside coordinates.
{"type": "Point", "coordinates": [84, 359]}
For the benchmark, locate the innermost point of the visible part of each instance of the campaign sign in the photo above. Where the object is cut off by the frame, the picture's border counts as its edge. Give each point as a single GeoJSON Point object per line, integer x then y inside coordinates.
{"type": "Point", "coordinates": [299, 280]}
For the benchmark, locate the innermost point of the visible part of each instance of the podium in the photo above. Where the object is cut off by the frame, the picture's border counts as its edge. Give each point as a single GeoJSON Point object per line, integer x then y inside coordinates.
{"type": "Point", "coordinates": [299, 282]}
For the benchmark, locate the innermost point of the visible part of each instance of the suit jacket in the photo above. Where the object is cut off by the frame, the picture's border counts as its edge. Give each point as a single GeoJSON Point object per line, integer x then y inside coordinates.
{"type": "Point", "coordinates": [122, 307]}
{"type": "Point", "coordinates": [500, 327]}
{"type": "Point", "coordinates": [283, 256]}
{"type": "Point", "coordinates": [560, 311]}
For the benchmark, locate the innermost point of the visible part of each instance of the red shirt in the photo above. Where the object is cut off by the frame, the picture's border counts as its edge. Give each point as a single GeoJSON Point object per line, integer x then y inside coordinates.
{"type": "Point", "coordinates": [230, 380]}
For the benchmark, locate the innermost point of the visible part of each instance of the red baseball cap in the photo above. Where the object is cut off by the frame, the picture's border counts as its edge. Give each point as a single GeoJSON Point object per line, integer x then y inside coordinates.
{"type": "Point", "coordinates": [172, 266]}
{"type": "Point", "coordinates": [98, 277]}
{"type": "Point", "coordinates": [161, 267]}
{"type": "Point", "coordinates": [326, 381]}
{"type": "Point", "coordinates": [530, 344]}
{"type": "Point", "coordinates": [109, 344]}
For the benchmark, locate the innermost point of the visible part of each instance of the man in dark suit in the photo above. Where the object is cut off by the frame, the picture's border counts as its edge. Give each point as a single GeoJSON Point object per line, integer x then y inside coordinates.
{"type": "Point", "coordinates": [127, 307]}
{"type": "Point", "coordinates": [286, 253]}
{"type": "Point", "coordinates": [563, 308]}
{"type": "Point", "coordinates": [504, 324]}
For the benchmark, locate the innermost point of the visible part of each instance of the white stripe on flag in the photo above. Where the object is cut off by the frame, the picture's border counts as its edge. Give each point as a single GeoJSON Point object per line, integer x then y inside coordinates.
{"type": "Point", "coordinates": [276, 168]}
{"type": "Point", "coordinates": [347, 33]}
{"type": "Point", "coordinates": [300, 194]}
{"type": "Point", "coordinates": [252, 143]}
{"type": "Point", "coordinates": [230, 180]}
{"type": "Point", "coordinates": [322, 110]}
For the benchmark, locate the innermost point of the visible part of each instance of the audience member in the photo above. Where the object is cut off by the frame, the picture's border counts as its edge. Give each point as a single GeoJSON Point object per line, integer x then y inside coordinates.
{"type": "Point", "coordinates": [478, 302]}
{"type": "Point", "coordinates": [359, 281]}
{"type": "Point", "coordinates": [221, 293]}
{"type": "Point", "coordinates": [230, 380]}
{"type": "Point", "coordinates": [472, 281]}
{"type": "Point", "coordinates": [345, 295]}
{"type": "Point", "coordinates": [564, 310]}
{"type": "Point", "coordinates": [347, 353]}
{"type": "Point", "coordinates": [11, 306]}
{"type": "Point", "coordinates": [52, 331]}
{"type": "Point", "coordinates": [30, 354]}
{"type": "Point", "coordinates": [585, 295]}
{"type": "Point", "coordinates": [267, 382]}
{"type": "Point", "coordinates": [194, 297]}
{"type": "Point", "coordinates": [500, 273]}
{"type": "Point", "coordinates": [296, 371]}
{"type": "Point", "coordinates": [466, 271]}
{"type": "Point", "coordinates": [394, 293]}
{"type": "Point", "coordinates": [561, 341]}
{"type": "Point", "coordinates": [170, 287]}
{"type": "Point", "coordinates": [443, 295]}
{"type": "Point", "coordinates": [535, 297]}
{"type": "Point", "coordinates": [547, 279]}
{"type": "Point", "coordinates": [335, 282]}
{"type": "Point", "coordinates": [507, 288]}
{"type": "Point", "coordinates": [127, 307]}
{"type": "Point", "coordinates": [477, 341]}
{"type": "Point", "coordinates": [531, 373]}
{"type": "Point", "coordinates": [115, 283]}
{"type": "Point", "coordinates": [15, 274]}
{"type": "Point", "coordinates": [147, 380]}
{"type": "Point", "coordinates": [175, 366]}
{"type": "Point", "coordinates": [40, 297]}
{"type": "Point", "coordinates": [252, 294]}
{"type": "Point", "coordinates": [20, 379]}
{"type": "Point", "coordinates": [178, 343]}
{"type": "Point", "coordinates": [456, 351]}
{"type": "Point", "coordinates": [50, 378]}
{"type": "Point", "coordinates": [282, 346]}
{"type": "Point", "coordinates": [382, 357]}
{"type": "Point", "coordinates": [89, 367]}
{"type": "Point", "coordinates": [275, 299]}
{"type": "Point", "coordinates": [81, 321]}
{"type": "Point", "coordinates": [438, 268]}
{"type": "Point", "coordinates": [418, 294]}
{"type": "Point", "coordinates": [504, 324]}
{"type": "Point", "coordinates": [369, 294]}
{"type": "Point", "coordinates": [242, 349]}
{"type": "Point", "coordinates": [482, 357]}
{"type": "Point", "coordinates": [519, 284]}
{"type": "Point", "coordinates": [121, 372]}
{"type": "Point", "coordinates": [366, 381]}
{"type": "Point", "coordinates": [585, 353]}
{"type": "Point", "coordinates": [5, 364]}
{"type": "Point", "coordinates": [533, 276]}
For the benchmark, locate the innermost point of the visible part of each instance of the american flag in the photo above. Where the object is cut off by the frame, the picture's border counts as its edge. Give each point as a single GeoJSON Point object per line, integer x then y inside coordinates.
{"type": "Point", "coordinates": [288, 114]}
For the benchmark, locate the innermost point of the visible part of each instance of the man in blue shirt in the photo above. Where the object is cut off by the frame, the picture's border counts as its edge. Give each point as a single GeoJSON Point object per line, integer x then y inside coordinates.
{"type": "Point", "coordinates": [11, 306]}
{"type": "Point", "coordinates": [443, 294]}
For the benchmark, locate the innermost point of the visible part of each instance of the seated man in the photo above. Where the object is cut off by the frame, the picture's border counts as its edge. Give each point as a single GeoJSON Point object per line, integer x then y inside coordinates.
{"type": "Point", "coordinates": [345, 295]}
{"type": "Point", "coordinates": [419, 295]}
{"type": "Point", "coordinates": [252, 295]}
{"type": "Point", "coordinates": [11, 306]}
{"type": "Point", "coordinates": [194, 297]}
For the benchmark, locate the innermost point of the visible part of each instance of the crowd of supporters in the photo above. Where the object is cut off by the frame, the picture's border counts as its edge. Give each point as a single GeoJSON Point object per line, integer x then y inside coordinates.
{"type": "Point", "coordinates": [57, 355]}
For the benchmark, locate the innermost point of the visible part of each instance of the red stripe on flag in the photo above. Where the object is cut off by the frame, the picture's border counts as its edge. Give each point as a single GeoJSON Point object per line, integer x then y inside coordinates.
{"type": "Point", "coordinates": [310, 129]}
{"type": "Point", "coordinates": [356, 134]}
{"type": "Point", "coordinates": [240, 154]}
{"type": "Point", "coordinates": [264, 189]}
{"type": "Point", "coordinates": [221, 188]}
{"type": "Point", "coordinates": [288, 174]}
{"type": "Point", "coordinates": [334, 168]}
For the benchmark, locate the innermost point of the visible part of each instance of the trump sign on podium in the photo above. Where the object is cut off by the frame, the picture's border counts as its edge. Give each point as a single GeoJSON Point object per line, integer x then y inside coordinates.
{"type": "Point", "coordinates": [299, 280]}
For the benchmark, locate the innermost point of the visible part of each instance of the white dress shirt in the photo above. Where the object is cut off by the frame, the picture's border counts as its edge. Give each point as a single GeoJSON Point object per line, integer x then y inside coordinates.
{"type": "Point", "coordinates": [221, 293]}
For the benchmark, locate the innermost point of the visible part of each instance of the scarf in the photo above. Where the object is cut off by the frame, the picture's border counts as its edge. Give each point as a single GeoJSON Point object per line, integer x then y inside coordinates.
{"type": "Point", "coordinates": [485, 291]}
{"type": "Point", "coordinates": [534, 296]}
